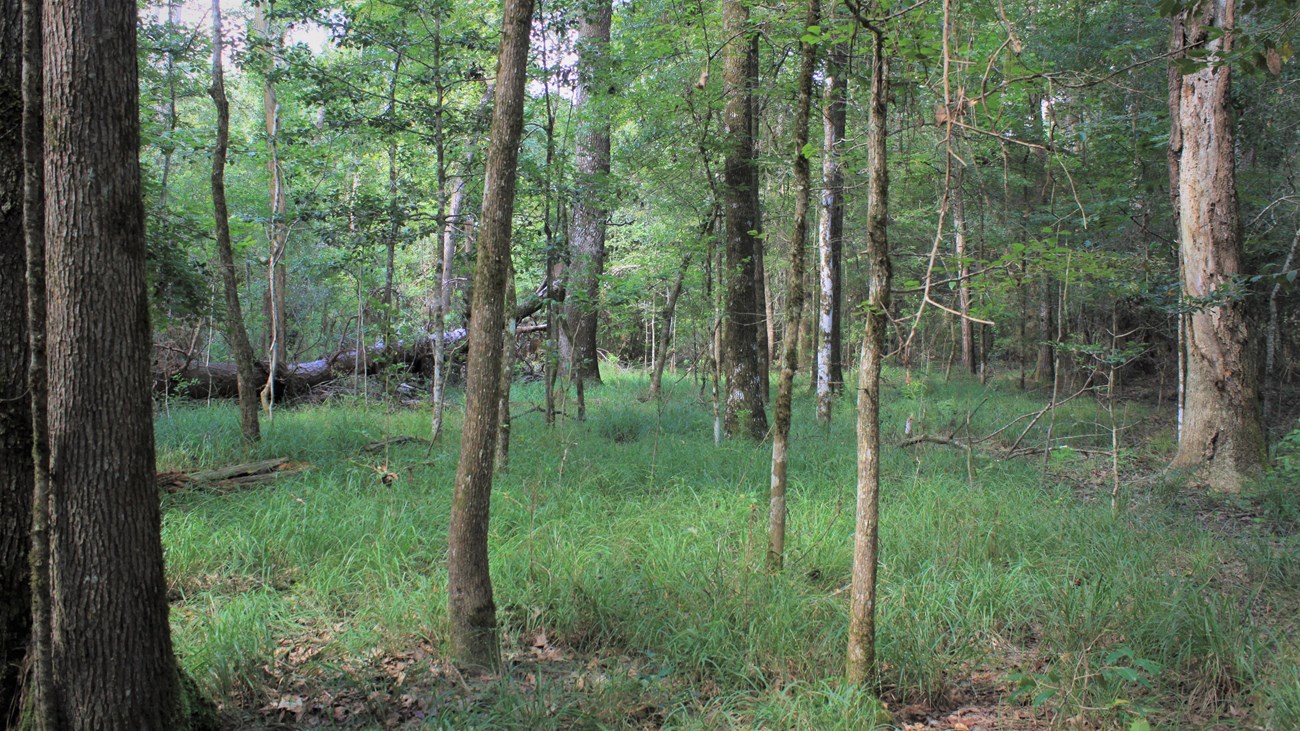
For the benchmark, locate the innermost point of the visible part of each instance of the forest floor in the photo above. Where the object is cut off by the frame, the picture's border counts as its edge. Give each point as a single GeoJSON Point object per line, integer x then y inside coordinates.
{"type": "Point", "coordinates": [627, 559]}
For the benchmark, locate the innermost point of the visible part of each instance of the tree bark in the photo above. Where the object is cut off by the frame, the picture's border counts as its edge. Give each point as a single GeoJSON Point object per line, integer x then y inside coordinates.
{"type": "Point", "coordinates": [236, 334]}
{"type": "Point", "coordinates": [112, 661]}
{"type": "Point", "coordinates": [587, 237]}
{"type": "Point", "coordinates": [762, 302]}
{"type": "Point", "coordinates": [16, 470]}
{"type": "Point", "coordinates": [794, 302]}
{"type": "Point", "coordinates": [508, 337]}
{"type": "Point", "coordinates": [862, 608]}
{"type": "Point", "coordinates": [277, 340]}
{"type": "Point", "coordinates": [33, 207]}
{"type": "Point", "coordinates": [471, 611]}
{"type": "Point", "coordinates": [1223, 434]}
{"type": "Point", "coordinates": [830, 232]}
{"type": "Point", "coordinates": [744, 409]}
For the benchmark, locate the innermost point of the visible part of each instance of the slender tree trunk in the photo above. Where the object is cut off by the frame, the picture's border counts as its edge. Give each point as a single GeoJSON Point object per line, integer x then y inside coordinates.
{"type": "Point", "coordinates": [33, 207]}
{"type": "Point", "coordinates": [762, 301]}
{"type": "Point", "coordinates": [1271, 381]}
{"type": "Point", "coordinates": [744, 409]}
{"type": "Point", "coordinates": [969, 361]}
{"type": "Point", "coordinates": [113, 666]}
{"type": "Point", "coordinates": [453, 222]}
{"type": "Point", "coordinates": [1223, 434]}
{"type": "Point", "coordinates": [16, 471]}
{"type": "Point", "coordinates": [394, 205]}
{"type": "Point", "coordinates": [862, 608]}
{"type": "Point", "coordinates": [236, 334]}
{"type": "Point", "coordinates": [830, 372]}
{"type": "Point", "coordinates": [667, 317]}
{"type": "Point", "coordinates": [167, 112]}
{"type": "Point", "coordinates": [587, 239]}
{"type": "Point", "coordinates": [390, 243]}
{"type": "Point", "coordinates": [471, 611]}
{"type": "Point", "coordinates": [794, 302]}
{"type": "Point", "coordinates": [277, 340]}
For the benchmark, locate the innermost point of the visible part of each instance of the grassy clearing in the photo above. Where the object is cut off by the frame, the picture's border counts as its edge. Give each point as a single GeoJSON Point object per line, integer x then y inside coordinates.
{"type": "Point", "coordinates": [628, 564]}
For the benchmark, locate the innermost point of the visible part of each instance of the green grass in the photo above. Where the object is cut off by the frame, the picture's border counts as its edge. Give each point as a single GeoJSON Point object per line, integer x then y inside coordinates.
{"type": "Point", "coordinates": [633, 547]}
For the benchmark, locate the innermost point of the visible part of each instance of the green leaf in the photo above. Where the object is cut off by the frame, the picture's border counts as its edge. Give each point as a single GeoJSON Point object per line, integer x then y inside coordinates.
{"type": "Point", "coordinates": [808, 150]}
{"type": "Point", "coordinates": [1140, 724]}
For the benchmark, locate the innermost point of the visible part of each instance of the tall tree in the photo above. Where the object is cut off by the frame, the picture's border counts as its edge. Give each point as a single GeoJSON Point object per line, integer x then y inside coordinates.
{"type": "Point", "coordinates": [33, 207]}
{"type": "Point", "coordinates": [236, 334]}
{"type": "Point", "coordinates": [794, 297]}
{"type": "Point", "coordinates": [587, 235]}
{"type": "Point", "coordinates": [470, 608]}
{"type": "Point", "coordinates": [830, 233]}
{"type": "Point", "coordinates": [277, 229]}
{"type": "Point", "coordinates": [1222, 432]}
{"type": "Point", "coordinates": [111, 658]}
{"type": "Point", "coordinates": [744, 409]}
{"type": "Point", "coordinates": [15, 406]}
{"type": "Point", "coordinates": [862, 606]}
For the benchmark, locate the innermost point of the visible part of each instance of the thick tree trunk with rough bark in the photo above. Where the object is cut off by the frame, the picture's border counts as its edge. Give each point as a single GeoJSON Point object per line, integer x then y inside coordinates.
{"type": "Point", "coordinates": [33, 206]}
{"type": "Point", "coordinates": [508, 337]}
{"type": "Point", "coordinates": [744, 409]}
{"type": "Point", "coordinates": [794, 302]}
{"type": "Point", "coordinates": [16, 473]}
{"type": "Point", "coordinates": [587, 236]}
{"type": "Point", "coordinates": [236, 333]}
{"type": "Point", "coordinates": [1222, 434]}
{"type": "Point", "coordinates": [112, 662]}
{"type": "Point", "coordinates": [830, 232]}
{"type": "Point", "coordinates": [862, 606]}
{"type": "Point", "coordinates": [471, 611]}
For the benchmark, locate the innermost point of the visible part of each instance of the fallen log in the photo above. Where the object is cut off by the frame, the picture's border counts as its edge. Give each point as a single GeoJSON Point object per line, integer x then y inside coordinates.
{"type": "Point", "coordinates": [219, 380]}
{"type": "Point", "coordinates": [226, 478]}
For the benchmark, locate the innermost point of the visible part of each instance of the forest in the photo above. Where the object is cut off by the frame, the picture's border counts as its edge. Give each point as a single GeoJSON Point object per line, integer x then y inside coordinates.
{"type": "Point", "coordinates": [639, 364]}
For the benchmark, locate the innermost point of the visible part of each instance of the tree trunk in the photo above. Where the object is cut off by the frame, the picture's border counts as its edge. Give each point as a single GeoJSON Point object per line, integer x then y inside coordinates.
{"type": "Point", "coordinates": [442, 302]}
{"type": "Point", "coordinates": [794, 302]}
{"type": "Point", "coordinates": [830, 231]}
{"type": "Point", "coordinates": [762, 302]}
{"type": "Point", "coordinates": [1274, 338]}
{"type": "Point", "coordinates": [666, 323]}
{"type": "Point", "coordinates": [587, 239]}
{"type": "Point", "coordinates": [471, 612]}
{"type": "Point", "coordinates": [277, 337]}
{"type": "Point", "coordinates": [236, 334]}
{"type": "Point", "coordinates": [1223, 434]}
{"type": "Point", "coordinates": [507, 367]}
{"type": "Point", "coordinates": [1045, 368]}
{"type": "Point", "coordinates": [112, 661]}
{"type": "Point", "coordinates": [744, 410]}
{"type": "Point", "coordinates": [862, 608]}
{"type": "Point", "coordinates": [16, 471]}
{"type": "Point", "coordinates": [40, 654]}
{"type": "Point", "coordinates": [969, 361]}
